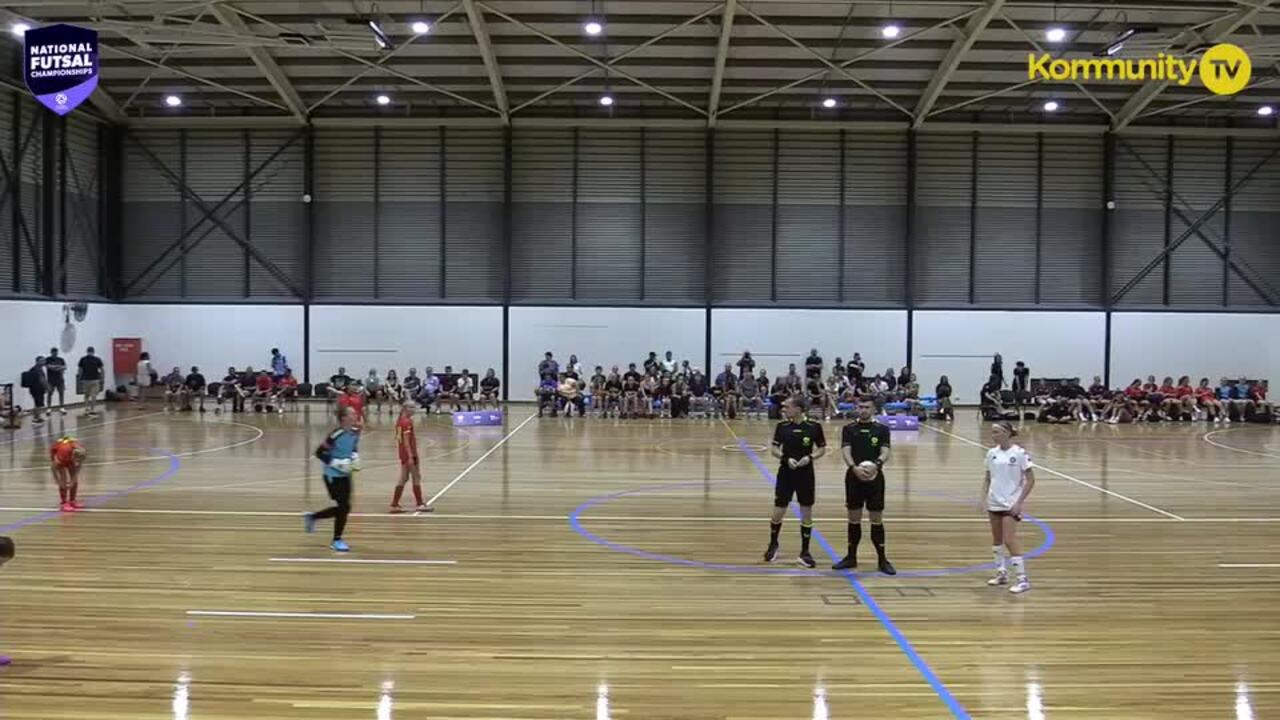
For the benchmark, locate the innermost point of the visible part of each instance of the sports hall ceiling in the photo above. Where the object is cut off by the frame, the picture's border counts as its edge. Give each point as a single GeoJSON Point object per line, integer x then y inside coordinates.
{"type": "Point", "coordinates": [482, 61]}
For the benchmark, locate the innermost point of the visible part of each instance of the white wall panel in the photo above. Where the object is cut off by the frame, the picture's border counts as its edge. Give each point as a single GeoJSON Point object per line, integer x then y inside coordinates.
{"type": "Point", "coordinates": [359, 337]}
{"type": "Point", "coordinates": [1211, 345]}
{"type": "Point", "coordinates": [779, 337]}
{"type": "Point", "coordinates": [600, 336]}
{"type": "Point", "coordinates": [32, 327]}
{"type": "Point", "coordinates": [213, 337]}
{"type": "Point", "coordinates": [961, 344]}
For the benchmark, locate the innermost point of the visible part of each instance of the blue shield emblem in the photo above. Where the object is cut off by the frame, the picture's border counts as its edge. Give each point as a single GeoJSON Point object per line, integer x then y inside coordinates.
{"type": "Point", "coordinates": [60, 65]}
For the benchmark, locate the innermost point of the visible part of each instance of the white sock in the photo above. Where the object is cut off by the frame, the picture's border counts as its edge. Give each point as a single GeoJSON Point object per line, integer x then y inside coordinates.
{"type": "Point", "coordinates": [1019, 569]}
{"type": "Point", "coordinates": [997, 551]}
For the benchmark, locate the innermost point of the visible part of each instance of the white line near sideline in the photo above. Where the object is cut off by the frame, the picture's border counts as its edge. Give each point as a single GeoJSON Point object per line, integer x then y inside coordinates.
{"type": "Point", "coordinates": [317, 616]}
{"type": "Point", "coordinates": [407, 517]}
{"type": "Point", "coordinates": [1208, 437]}
{"type": "Point", "coordinates": [1249, 565]}
{"type": "Point", "coordinates": [1065, 476]}
{"type": "Point", "coordinates": [479, 460]}
{"type": "Point", "coordinates": [368, 562]}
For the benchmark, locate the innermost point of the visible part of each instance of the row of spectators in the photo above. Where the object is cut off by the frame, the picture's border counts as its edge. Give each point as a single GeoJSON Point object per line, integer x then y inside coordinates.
{"type": "Point", "coordinates": [456, 391]}
{"type": "Point", "coordinates": [662, 388]}
{"type": "Point", "coordinates": [1140, 401]}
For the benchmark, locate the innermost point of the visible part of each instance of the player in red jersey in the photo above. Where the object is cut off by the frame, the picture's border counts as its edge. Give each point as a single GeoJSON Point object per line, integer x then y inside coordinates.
{"type": "Point", "coordinates": [354, 399]}
{"type": "Point", "coordinates": [410, 467]}
{"type": "Point", "coordinates": [66, 456]}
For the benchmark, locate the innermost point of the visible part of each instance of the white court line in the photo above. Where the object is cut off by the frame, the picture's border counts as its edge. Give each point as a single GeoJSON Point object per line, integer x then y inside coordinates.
{"type": "Point", "coordinates": [1065, 476]}
{"type": "Point", "coordinates": [408, 517]}
{"type": "Point", "coordinates": [78, 428]}
{"type": "Point", "coordinates": [154, 458]}
{"type": "Point", "coordinates": [321, 616]}
{"type": "Point", "coordinates": [368, 562]}
{"type": "Point", "coordinates": [1249, 565]}
{"type": "Point", "coordinates": [479, 460]}
{"type": "Point", "coordinates": [1207, 437]}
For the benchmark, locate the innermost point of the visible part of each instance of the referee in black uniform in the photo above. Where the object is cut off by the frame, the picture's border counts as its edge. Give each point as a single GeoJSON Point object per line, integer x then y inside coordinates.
{"type": "Point", "coordinates": [797, 442]}
{"type": "Point", "coordinates": [865, 440]}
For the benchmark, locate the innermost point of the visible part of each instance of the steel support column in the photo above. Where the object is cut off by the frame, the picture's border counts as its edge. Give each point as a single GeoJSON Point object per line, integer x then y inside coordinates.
{"type": "Point", "coordinates": [973, 218]}
{"type": "Point", "coordinates": [444, 212]}
{"type": "Point", "coordinates": [909, 224]}
{"type": "Point", "coordinates": [1039, 207]}
{"type": "Point", "coordinates": [1226, 225]}
{"type": "Point", "coordinates": [1168, 222]}
{"type": "Point", "coordinates": [773, 223]}
{"type": "Point", "coordinates": [48, 203]}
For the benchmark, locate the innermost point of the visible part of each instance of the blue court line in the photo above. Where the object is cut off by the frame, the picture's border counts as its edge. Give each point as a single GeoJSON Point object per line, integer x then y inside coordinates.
{"type": "Point", "coordinates": [174, 464]}
{"type": "Point", "coordinates": [575, 522]}
{"type": "Point", "coordinates": [922, 666]}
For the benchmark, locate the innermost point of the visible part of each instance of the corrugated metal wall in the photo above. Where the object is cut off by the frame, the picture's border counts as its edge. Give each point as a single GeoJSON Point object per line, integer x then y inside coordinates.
{"type": "Point", "coordinates": [73, 186]}
{"type": "Point", "coordinates": [622, 215]}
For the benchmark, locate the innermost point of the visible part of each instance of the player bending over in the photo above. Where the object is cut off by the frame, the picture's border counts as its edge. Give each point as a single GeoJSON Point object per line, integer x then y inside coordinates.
{"type": "Point", "coordinates": [410, 467]}
{"type": "Point", "coordinates": [66, 456]}
{"type": "Point", "coordinates": [797, 443]}
{"type": "Point", "coordinates": [1005, 487]}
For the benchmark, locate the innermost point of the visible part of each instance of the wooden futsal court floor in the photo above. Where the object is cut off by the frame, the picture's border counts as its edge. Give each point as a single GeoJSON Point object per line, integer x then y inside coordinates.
{"type": "Point", "coordinates": [608, 569]}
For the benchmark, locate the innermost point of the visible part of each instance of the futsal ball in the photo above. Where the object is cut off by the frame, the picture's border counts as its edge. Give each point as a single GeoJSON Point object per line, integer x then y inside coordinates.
{"type": "Point", "coordinates": [869, 468]}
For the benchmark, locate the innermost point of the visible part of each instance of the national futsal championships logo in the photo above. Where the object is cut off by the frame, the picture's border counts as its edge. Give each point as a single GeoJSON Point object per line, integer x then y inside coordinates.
{"type": "Point", "coordinates": [60, 65]}
{"type": "Point", "coordinates": [1224, 69]}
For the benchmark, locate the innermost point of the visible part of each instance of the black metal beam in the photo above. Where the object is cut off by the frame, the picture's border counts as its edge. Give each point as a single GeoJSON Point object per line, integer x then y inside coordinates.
{"type": "Point", "coordinates": [708, 213]}
{"type": "Point", "coordinates": [208, 213]}
{"type": "Point", "coordinates": [62, 204]}
{"type": "Point", "coordinates": [1039, 206]}
{"type": "Point", "coordinates": [112, 204]}
{"type": "Point", "coordinates": [444, 205]}
{"type": "Point", "coordinates": [1168, 220]}
{"type": "Point", "coordinates": [1193, 228]}
{"type": "Point", "coordinates": [211, 215]}
{"type": "Point", "coordinates": [182, 215]}
{"type": "Point", "coordinates": [909, 224]}
{"type": "Point", "coordinates": [377, 206]}
{"type": "Point", "coordinates": [247, 141]}
{"type": "Point", "coordinates": [840, 229]}
{"type": "Point", "coordinates": [506, 259]}
{"type": "Point", "coordinates": [309, 198]}
{"type": "Point", "coordinates": [644, 202]}
{"type": "Point", "coordinates": [48, 203]}
{"type": "Point", "coordinates": [773, 225]}
{"type": "Point", "coordinates": [1108, 191]}
{"type": "Point", "coordinates": [12, 183]}
{"type": "Point", "coordinates": [573, 223]}
{"type": "Point", "coordinates": [1226, 225]}
{"type": "Point", "coordinates": [973, 219]}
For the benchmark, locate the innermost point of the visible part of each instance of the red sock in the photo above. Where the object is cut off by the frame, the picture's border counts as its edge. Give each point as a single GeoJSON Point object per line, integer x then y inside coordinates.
{"type": "Point", "coordinates": [395, 499]}
{"type": "Point", "coordinates": [62, 495]}
{"type": "Point", "coordinates": [417, 493]}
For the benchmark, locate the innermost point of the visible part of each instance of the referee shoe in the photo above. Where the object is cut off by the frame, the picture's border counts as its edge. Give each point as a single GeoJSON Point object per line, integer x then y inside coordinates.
{"type": "Point", "coordinates": [806, 561]}
{"type": "Point", "coordinates": [771, 552]}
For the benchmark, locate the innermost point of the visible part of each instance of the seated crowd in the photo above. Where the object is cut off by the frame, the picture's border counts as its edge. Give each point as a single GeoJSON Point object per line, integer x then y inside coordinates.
{"type": "Point", "coordinates": [1068, 401]}
{"type": "Point", "coordinates": [661, 387]}
{"type": "Point", "coordinates": [430, 390]}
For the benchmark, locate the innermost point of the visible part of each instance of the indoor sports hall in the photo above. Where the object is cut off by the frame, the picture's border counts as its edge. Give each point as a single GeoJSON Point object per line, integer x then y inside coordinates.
{"type": "Point", "coordinates": [641, 360]}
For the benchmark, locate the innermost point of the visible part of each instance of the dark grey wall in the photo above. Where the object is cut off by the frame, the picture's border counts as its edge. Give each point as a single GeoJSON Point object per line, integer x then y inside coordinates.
{"type": "Point", "coordinates": [787, 217]}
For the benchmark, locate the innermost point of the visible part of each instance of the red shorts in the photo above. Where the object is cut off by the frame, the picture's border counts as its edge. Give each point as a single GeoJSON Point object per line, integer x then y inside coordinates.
{"type": "Point", "coordinates": [407, 458]}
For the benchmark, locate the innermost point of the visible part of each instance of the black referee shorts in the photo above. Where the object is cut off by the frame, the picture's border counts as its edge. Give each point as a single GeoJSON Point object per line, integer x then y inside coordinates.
{"type": "Point", "coordinates": [798, 483]}
{"type": "Point", "coordinates": [859, 494]}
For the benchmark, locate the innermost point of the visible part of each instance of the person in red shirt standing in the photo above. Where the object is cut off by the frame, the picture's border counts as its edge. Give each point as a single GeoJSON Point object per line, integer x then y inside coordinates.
{"type": "Point", "coordinates": [67, 455]}
{"type": "Point", "coordinates": [410, 467]}
{"type": "Point", "coordinates": [288, 386]}
{"type": "Point", "coordinates": [354, 399]}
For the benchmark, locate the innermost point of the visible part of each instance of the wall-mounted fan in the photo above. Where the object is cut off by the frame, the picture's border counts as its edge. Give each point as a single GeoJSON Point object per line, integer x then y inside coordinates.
{"type": "Point", "coordinates": [76, 311]}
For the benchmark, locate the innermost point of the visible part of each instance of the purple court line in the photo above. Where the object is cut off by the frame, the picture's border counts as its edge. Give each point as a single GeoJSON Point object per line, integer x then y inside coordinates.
{"type": "Point", "coordinates": [922, 666]}
{"type": "Point", "coordinates": [575, 522]}
{"type": "Point", "coordinates": [97, 500]}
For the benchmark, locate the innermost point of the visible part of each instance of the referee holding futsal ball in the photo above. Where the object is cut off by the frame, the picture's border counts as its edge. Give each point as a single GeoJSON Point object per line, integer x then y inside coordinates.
{"type": "Point", "coordinates": [864, 443]}
{"type": "Point", "coordinates": [798, 442]}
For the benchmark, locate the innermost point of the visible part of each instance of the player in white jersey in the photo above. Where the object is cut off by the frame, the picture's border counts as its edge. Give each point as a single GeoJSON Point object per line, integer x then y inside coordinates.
{"type": "Point", "coordinates": [1005, 488]}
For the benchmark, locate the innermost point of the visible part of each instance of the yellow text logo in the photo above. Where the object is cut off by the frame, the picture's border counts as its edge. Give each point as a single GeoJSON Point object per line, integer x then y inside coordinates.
{"type": "Point", "coordinates": [1224, 69]}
